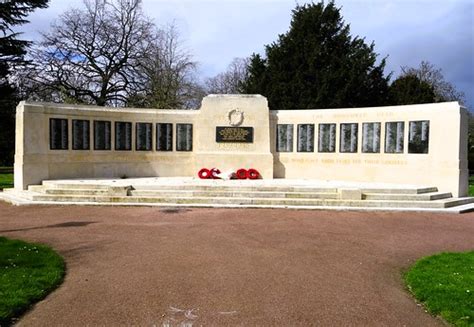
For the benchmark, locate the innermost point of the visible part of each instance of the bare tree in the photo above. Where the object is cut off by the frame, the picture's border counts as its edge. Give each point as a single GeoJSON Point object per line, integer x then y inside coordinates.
{"type": "Point", "coordinates": [90, 55]}
{"type": "Point", "coordinates": [229, 82]}
{"type": "Point", "coordinates": [166, 75]}
{"type": "Point", "coordinates": [427, 72]}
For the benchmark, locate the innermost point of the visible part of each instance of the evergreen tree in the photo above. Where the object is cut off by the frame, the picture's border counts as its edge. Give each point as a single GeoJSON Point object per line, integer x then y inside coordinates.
{"type": "Point", "coordinates": [318, 64]}
{"type": "Point", "coordinates": [12, 50]}
{"type": "Point", "coordinates": [410, 89]}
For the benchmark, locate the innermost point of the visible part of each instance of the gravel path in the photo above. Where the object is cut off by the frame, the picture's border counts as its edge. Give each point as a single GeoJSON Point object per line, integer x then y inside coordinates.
{"type": "Point", "coordinates": [165, 267]}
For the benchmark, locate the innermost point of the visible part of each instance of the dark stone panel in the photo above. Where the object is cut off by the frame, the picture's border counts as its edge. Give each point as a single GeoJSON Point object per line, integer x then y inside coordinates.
{"type": "Point", "coordinates": [80, 134]}
{"type": "Point", "coordinates": [184, 137]}
{"type": "Point", "coordinates": [102, 135]}
{"type": "Point", "coordinates": [327, 138]}
{"type": "Point", "coordinates": [305, 138]}
{"type": "Point", "coordinates": [58, 134]}
{"type": "Point", "coordinates": [144, 135]}
{"type": "Point", "coordinates": [164, 137]}
{"type": "Point", "coordinates": [418, 138]}
{"type": "Point", "coordinates": [123, 136]}
{"type": "Point", "coordinates": [284, 141]}
{"type": "Point", "coordinates": [394, 137]}
{"type": "Point", "coordinates": [226, 134]}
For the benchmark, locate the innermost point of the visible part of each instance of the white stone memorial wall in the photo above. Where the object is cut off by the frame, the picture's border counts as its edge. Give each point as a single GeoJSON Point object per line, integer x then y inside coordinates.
{"type": "Point", "coordinates": [378, 145]}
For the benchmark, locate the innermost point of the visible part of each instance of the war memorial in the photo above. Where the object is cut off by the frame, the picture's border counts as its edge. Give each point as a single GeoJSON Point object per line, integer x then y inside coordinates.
{"type": "Point", "coordinates": [403, 157]}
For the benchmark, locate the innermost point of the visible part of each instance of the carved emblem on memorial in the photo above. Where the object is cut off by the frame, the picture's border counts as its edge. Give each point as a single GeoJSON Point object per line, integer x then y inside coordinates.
{"type": "Point", "coordinates": [236, 117]}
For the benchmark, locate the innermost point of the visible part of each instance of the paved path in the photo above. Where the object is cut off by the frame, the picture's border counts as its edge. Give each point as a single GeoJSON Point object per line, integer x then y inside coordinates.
{"type": "Point", "coordinates": [156, 267]}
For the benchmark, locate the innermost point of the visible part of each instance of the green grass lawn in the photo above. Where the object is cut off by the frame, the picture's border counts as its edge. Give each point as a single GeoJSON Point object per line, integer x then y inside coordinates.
{"type": "Point", "coordinates": [444, 283]}
{"type": "Point", "coordinates": [28, 272]}
{"type": "Point", "coordinates": [6, 177]}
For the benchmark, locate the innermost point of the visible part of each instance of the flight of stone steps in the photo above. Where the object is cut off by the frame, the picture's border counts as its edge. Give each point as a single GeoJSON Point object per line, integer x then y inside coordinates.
{"type": "Point", "coordinates": [241, 195]}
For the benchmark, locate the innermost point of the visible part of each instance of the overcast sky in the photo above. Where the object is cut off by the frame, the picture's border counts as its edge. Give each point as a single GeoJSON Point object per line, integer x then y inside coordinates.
{"type": "Point", "coordinates": [216, 31]}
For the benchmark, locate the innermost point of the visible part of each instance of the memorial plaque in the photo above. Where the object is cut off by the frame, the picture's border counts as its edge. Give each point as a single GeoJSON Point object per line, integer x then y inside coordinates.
{"type": "Point", "coordinates": [58, 134]}
{"type": "Point", "coordinates": [371, 137]}
{"type": "Point", "coordinates": [102, 135]}
{"type": "Point", "coordinates": [284, 141]}
{"type": "Point", "coordinates": [394, 137]}
{"type": "Point", "coordinates": [234, 134]}
{"type": "Point", "coordinates": [348, 141]}
{"type": "Point", "coordinates": [123, 136]}
{"type": "Point", "coordinates": [143, 137]}
{"type": "Point", "coordinates": [80, 134]}
{"type": "Point", "coordinates": [164, 137]}
{"type": "Point", "coordinates": [305, 138]}
{"type": "Point", "coordinates": [327, 138]}
{"type": "Point", "coordinates": [184, 137]}
{"type": "Point", "coordinates": [418, 136]}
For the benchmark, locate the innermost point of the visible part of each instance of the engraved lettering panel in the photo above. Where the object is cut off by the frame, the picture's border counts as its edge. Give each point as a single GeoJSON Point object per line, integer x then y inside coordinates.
{"type": "Point", "coordinates": [184, 137]}
{"type": "Point", "coordinates": [234, 134]}
{"type": "Point", "coordinates": [80, 134]}
{"type": "Point", "coordinates": [348, 140]}
{"type": "Point", "coordinates": [418, 138]}
{"type": "Point", "coordinates": [58, 134]}
{"type": "Point", "coordinates": [123, 136]}
{"type": "Point", "coordinates": [164, 137]}
{"type": "Point", "coordinates": [371, 137]}
{"type": "Point", "coordinates": [327, 138]}
{"type": "Point", "coordinates": [394, 137]}
{"type": "Point", "coordinates": [102, 135]}
{"type": "Point", "coordinates": [284, 141]}
{"type": "Point", "coordinates": [143, 137]}
{"type": "Point", "coordinates": [305, 138]}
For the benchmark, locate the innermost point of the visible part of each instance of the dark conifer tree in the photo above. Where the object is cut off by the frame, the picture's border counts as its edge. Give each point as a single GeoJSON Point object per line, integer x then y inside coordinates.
{"type": "Point", "coordinates": [318, 64]}
{"type": "Point", "coordinates": [12, 51]}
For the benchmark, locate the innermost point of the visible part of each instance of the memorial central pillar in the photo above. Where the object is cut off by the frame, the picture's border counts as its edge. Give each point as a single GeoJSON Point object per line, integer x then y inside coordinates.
{"type": "Point", "coordinates": [233, 133]}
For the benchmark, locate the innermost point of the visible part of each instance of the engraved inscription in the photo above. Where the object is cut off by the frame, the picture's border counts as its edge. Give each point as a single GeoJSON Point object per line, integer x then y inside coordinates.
{"type": "Point", "coordinates": [80, 134]}
{"type": "Point", "coordinates": [123, 136]}
{"type": "Point", "coordinates": [102, 135]}
{"type": "Point", "coordinates": [234, 134]}
{"type": "Point", "coordinates": [58, 134]}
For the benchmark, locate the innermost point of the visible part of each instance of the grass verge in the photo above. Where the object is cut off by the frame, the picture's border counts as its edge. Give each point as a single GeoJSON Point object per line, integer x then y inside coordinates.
{"type": "Point", "coordinates": [6, 177]}
{"type": "Point", "coordinates": [28, 272]}
{"type": "Point", "coordinates": [444, 283]}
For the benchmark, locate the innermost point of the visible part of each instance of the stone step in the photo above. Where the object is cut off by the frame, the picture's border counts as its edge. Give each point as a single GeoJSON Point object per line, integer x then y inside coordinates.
{"type": "Point", "coordinates": [75, 186]}
{"type": "Point", "coordinates": [449, 203]}
{"type": "Point", "coordinates": [414, 190]}
{"type": "Point", "coordinates": [282, 188]}
{"type": "Point", "coordinates": [232, 188]}
{"type": "Point", "coordinates": [188, 193]}
{"type": "Point", "coordinates": [60, 191]}
{"type": "Point", "coordinates": [444, 203]}
{"type": "Point", "coordinates": [233, 194]}
{"type": "Point", "coordinates": [408, 197]}
{"type": "Point", "coordinates": [241, 194]}
{"type": "Point", "coordinates": [36, 188]}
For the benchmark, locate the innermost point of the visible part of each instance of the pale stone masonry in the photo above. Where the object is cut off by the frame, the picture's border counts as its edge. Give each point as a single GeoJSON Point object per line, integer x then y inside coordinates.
{"type": "Point", "coordinates": [416, 144]}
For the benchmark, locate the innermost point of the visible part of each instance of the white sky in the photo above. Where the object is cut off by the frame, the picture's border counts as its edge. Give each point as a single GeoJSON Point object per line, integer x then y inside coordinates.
{"type": "Point", "coordinates": [216, 31]}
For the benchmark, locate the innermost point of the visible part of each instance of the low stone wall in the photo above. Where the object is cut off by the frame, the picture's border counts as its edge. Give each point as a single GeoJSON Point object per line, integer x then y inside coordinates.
{"type": "Point", "coordinates": [417, 145]}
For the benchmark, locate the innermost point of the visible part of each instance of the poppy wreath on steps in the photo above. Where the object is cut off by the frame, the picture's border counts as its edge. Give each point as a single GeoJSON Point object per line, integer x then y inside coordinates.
{"type": "Point", "coordinates": [214, 172]}
{"type": "Point", "coordinates": [204, 173]}
{"type": "Point", "coordinates": [241, 173]}
{"type": "Point", "coordinates": [253, 174]}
